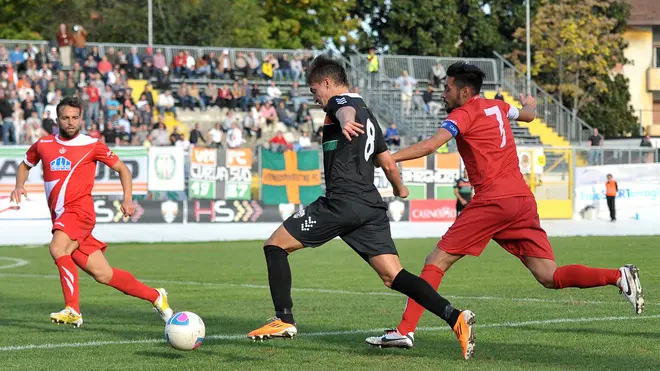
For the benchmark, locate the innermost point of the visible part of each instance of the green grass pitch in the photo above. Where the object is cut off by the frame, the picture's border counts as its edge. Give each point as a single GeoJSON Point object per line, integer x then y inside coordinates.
{"type": "Point", "coordinates": [338, 301]}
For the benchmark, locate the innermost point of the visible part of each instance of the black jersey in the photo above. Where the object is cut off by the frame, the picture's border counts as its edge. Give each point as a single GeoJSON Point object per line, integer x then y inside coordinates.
{"type": "Point", "coordinates": [349, 166]}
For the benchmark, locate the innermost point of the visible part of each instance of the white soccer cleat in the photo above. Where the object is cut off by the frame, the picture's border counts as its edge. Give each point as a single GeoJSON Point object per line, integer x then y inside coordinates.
{"type": "Point", "coordinates": [68, 316]}
{"type": "Point", "coordinates": [631, 288]}
{"type": "Point", "coordinates": [162, 307]}
{"type": "Point", "coordinates": [392, 339]}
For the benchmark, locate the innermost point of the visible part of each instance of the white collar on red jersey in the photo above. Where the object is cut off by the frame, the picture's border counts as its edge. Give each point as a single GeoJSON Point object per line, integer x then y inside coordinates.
{"type": "Point", "coordinates": [79, 141]}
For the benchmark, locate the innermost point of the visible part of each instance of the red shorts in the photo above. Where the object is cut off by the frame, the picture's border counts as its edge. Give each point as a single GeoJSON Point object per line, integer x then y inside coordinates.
{"type": "Point", "coordinates": [512, 222]}
{"type": "Point", "coordinates": [79, 228]}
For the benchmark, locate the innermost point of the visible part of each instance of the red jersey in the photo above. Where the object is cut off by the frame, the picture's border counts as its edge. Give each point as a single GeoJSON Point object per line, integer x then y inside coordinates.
{"type": "Point", "coordinates": [69, 168]}
{"type": "Point", "coordinates": [485, 142]}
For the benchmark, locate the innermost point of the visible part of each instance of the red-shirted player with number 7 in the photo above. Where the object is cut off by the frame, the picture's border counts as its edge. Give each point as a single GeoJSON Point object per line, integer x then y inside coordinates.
{"type": "Point", "coordinates": [503, 208]}
{"type": "Point", "coordinates": [69, 167]}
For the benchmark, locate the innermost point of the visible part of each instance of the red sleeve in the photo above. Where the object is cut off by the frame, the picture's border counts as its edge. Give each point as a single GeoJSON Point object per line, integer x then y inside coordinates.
{"type": "Point", "coordinates": [32, 155]}
{"type": "Point", "coordinates": [105, 155]}
{"type": "Point", "coordinates": [460, 119]}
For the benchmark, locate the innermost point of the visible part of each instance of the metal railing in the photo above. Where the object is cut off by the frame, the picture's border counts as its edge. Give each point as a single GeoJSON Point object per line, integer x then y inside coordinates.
{"type": "Point", "coordinates": [548, 108]}
{"type": "Point", "coordinates": [617, 156]}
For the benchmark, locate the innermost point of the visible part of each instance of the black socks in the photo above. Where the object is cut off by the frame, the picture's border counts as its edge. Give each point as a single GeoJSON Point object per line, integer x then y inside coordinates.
{"type": "Point", "coordinates": [279, 279]}
{"type": "Point", "coordinates": [421, 292]}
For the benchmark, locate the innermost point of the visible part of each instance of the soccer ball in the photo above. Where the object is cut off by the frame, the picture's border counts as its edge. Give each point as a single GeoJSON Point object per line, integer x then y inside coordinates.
{"type": "Point", "coordinates": [185, 331]}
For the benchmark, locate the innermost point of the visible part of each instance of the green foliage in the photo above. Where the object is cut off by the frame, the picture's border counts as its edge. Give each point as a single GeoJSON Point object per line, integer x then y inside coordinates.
{"type": "Point", "coordinates": [611, 112]}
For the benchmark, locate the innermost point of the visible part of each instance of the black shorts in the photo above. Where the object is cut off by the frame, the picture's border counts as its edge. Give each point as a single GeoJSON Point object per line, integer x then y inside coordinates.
{"type": "Point", "coordinates": [365, 229]}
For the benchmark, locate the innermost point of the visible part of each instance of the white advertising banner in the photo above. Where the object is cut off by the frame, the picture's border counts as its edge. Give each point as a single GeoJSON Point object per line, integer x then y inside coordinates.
{"type": "Point", "coordinates": [166, 169]}
{"type": "Point", "coordinates": [638, 197]}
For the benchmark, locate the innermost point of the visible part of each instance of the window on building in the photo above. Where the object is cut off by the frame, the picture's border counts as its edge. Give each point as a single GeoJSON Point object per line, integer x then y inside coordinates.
{"type": "Point", "coordinates": [657, 57]}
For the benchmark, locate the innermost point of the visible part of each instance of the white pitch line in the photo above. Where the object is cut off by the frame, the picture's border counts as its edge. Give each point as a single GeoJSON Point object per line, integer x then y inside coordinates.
{"type": "Point", "coordinates": [345, 292]}
{"type": "Point", "coordinates": [16, 262]}
{"type": "Point", "coordinates": [326, 333]}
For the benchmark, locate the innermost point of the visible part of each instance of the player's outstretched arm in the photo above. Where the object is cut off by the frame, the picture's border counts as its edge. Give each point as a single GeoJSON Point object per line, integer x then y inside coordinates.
{"type": "Point", "coordinates": [126, 180]}
{"type": "Point", "coordinates": [425, 147]}
{"type": "Point", "coordinates": [528, 112]}
{"type": "Point", "coordinates": [385, 161]}
{"type": "Point", "coordinates": [21, 177]}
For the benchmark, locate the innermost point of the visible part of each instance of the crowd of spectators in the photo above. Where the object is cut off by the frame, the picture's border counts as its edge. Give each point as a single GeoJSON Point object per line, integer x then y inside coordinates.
{"type": "Point", "coordinates": [33, 79]}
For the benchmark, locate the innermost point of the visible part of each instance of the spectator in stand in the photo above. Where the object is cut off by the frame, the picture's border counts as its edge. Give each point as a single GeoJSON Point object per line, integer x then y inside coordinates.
{"type": "Point", "coordinates": [90, 66]}
{"type": "Point", "coordinates": [160, 63]}
{"type": "Point", "coordinates": [499, 95]}
{"type": "Point", "coordinates": [269, 66]}
{"type": "Point", "coordinates": [225, 97]}
{"type": "Point", "coordinates": [93, 104]}
{"type": "Point", "coordinates": [166, 104]}
{"type": "Point", "coordinates": [94, 131]}
{"type": "Point", "coordinates": [184, 143]}
{"type": "Point", "coordinates": [247, 93]}
{"type": "Point", "coordinates": [110, 134]}
{"type": "Point", "coordinates": [142, 134]}
{"type": "Point", "coordinates": [649, 157]}
{"type": "Point", "coordinates": [274, 93]}
{"type": "Point", "coordinates": [186, 100]}
{"type": "Point", "coordinates": [418, 101]}
{"type": "Point", "coordinates": [239, 97]}
{"type": "Point", "coordinates": [392, 135]}
{"type": "Point", "coordinates": [224, 66]}
{"type": "Point", "coordinates": [213, 64]}
{"type": "Point", "coordinates": [241, 63]}
{"type": "Point", "coordinates": [147, 92]}
{"type": "Point", "coordinates": [269, 113]}
{"type": "Point", "coordinates": [40, 58]}
{"type": "Point", "coordinates": [284, 116]}
{"type": "Point", "coordinates": [104, 67]}
{"type": "Point", "coordinates": [33, 130]}
{"type": "Point", "coordinates": [176, 135]}
{"type": "Point", "coordinates": [296, 67]}
{"type": "Point", "coordinates": [210, 95]}
{"type": "Point", "coordinates": [179, 64]}
{"type": "Point", "coordinates": [47, 123]}
{"type": "Point", "coordinates": [284, 70]}
{"type": "Point", "coordinates": [304, 116]}
{"type": "Point", "coordinates": [234, 137]}
{"type": "Point", "coordinates": [79, 42]}
{"type": "Point", "coordinates": [112, 106]}
{"type": "Point", "coordinates": [254, 65]}
{"type": "Point", "coordinates": [215, 136]}
{"type": "Point", "coordinates": [64, 40]}
{"type": "Point", "coordinates": [305, 142]}
{"type": "Point", "coordinates": [431, 107]}
{"type": "Point", "coordinates": [196, 135]}
{"type": "Point", "coordinates": [256, 94]}
{"type": "Point", "coordinates": [190, 65]}
{"type": "Point", "coordinates": [202, 68]}
{"type": "Point", "coordinates": [7, 113]}
{"type": "Point", "coordinates": [438, 76]}
{"type": "Point", "coordinates": [164, 81]}
{"type": "Point", "coordinates": [278, 143]}
{"type": "Point", "coordinates": [96, 53]}
{"type": "Point", "coordinates": [195, 97]}
{"type": "Point", "coordinates": [113, 58]}
{"type": "Point", "coordinates": [373, 67]}
{"type": "Point", "coordinates": [611, 191]}
{"type": "Point", "coordinates": [54, 59]}
{"type": "Point", "coordinates": [134, 64]}
{"type": "Point", "coordinates": [406, 84]}
{"type": "Point", "coordinates": [252, 124]}
{"type": "Point", "coordinates": [159, 136]}
{"type": "Point", "coordinates": [596, 142]}
{"type": "Point", "coordinates": [295, 96]}
{"type": "Point", "coordinates": [229, 121]}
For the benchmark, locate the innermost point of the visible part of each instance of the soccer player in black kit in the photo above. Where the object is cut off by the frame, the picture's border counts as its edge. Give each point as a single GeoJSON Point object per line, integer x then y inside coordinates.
{"type": "Point", "coordinates": [352, 209]}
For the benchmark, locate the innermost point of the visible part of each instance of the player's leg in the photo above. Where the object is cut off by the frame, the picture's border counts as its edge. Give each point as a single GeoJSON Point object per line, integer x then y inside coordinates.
{"type": "Point", "coordinates": [315, 225]}
{"type": "Point", "coordinates": [526, 239]}
{"type": "Point", "coordinates": [61, 247]}
{"type": "Point", "coordinates": [89, 257]}
{"type": "Point", "coordinates": [469, 235]}
{"type": "Point", "coordinates": [373, 242]}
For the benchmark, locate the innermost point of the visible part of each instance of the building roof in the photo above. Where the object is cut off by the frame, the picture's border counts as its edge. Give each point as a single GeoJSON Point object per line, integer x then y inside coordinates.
{"type": "Point", "coordinates": [644, 12]}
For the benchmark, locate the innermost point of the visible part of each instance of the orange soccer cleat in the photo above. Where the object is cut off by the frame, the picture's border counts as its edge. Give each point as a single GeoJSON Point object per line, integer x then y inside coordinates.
{"type": "Point", "coordinates": [464, 330]}
{"type": "Point", "coordinates": [273, 329]}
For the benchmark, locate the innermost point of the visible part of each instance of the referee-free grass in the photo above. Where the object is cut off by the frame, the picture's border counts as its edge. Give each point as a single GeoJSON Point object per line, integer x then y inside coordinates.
{"type": "Point", "coordinates": [226, 284]}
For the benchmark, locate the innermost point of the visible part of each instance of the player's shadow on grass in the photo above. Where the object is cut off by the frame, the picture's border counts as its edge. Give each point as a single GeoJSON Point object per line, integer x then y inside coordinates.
{"type": "Point", "coordinates": [594, 331]}
{"type": "Point", "coordinates": [165, 354]}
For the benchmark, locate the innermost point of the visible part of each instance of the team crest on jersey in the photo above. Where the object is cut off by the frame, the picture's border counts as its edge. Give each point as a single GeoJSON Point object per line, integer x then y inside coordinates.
{"type": "Point", "coordinates": [60, 164]}
{"type": "Point", "coordinates": [62, 150]}
{"type": "Point", "coordinates": [341, 100]}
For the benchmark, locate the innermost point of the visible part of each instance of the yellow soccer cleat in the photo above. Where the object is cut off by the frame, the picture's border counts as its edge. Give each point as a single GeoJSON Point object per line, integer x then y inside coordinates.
{"type": "Point", "coordinates": [162, 307]}
{"type": "Point", "coordinates": [464, 330]}
{"type": "Point", "coordinates": [68, 316]}
{"type": "Point", "coordinates": [275, 328]}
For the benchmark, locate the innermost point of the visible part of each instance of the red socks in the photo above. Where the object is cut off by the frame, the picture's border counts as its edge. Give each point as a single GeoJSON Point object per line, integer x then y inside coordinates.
{"type": "Point", "coordinates": [584, 277]}
{"type": "Point", "coordinates": [69, 280]}
{"type": "Point", "coordinates": [129, 285]}
{"type": "Point", "coordinates": [413, 312]}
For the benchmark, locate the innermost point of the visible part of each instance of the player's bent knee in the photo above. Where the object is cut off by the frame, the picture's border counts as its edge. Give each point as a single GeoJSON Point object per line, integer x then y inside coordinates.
{"type": "Point", "coordinates": [103, 276]}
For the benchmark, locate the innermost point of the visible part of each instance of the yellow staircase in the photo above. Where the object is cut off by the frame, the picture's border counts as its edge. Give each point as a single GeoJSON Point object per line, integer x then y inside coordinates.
{"type": "Point", "coordinates": [170, 122]}
{"type": "Point", "coordinates": [538, 127]}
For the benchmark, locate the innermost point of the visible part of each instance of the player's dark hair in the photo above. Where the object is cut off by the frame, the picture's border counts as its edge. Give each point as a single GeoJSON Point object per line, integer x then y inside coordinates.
{"type": "Point", "coordinates": [466, 74]}
{"type": "Point", "coordinates": [323, 66]}
{"type": "Point", "coordinates": [71, 101]}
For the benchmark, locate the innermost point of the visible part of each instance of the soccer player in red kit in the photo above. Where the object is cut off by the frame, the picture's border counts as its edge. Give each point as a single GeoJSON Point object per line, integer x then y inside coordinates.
{"type": "Point", "coordinates": [503, 208]}
{"type": "Point", "coordinates": [69, 166]}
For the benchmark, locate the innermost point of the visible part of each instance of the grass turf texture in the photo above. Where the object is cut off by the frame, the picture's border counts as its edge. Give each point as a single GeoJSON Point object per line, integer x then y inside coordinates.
{"type": "Point", "coordinates": [226, 284]}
